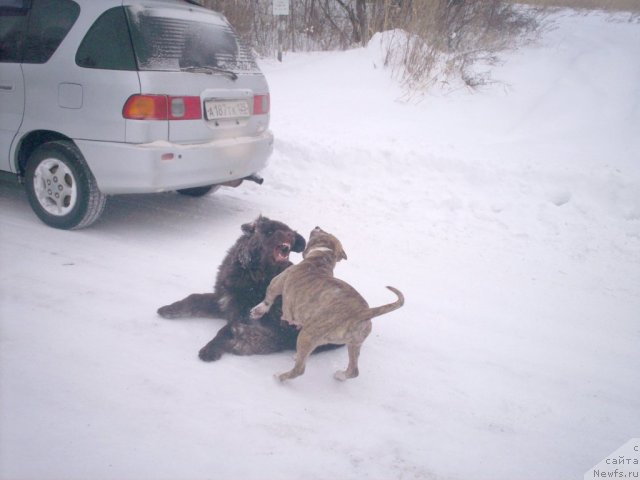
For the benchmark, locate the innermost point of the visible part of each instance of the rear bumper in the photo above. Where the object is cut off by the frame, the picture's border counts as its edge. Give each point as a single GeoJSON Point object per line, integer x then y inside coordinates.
{"type": "Point", "coordinates": [162, 166]}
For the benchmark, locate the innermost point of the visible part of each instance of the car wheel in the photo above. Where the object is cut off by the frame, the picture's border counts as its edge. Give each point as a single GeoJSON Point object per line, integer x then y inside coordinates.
{"type": "Point", "coordinates": [61, 189]}
{"type": "Point", "coordinates": [198, 191]}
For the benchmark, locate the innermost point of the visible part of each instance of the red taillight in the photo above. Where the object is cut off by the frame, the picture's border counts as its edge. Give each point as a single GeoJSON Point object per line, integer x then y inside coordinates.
{"type": "Point", "coordinates": [162, 107]}
{"type": "Point", "coordinates": [261, 104]}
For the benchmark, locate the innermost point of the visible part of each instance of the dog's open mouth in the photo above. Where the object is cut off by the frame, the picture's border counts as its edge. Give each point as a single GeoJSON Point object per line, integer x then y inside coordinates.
{"type": "Point", "coordinates": [281, 252]}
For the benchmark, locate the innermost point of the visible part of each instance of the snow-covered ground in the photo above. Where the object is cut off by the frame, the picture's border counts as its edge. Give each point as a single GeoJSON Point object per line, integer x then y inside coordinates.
{"type": "Point", "coordinates": [510, 218]}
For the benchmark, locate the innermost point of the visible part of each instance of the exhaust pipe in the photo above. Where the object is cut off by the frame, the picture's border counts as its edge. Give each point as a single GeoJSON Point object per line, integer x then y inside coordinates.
{"type": "Point", "coordinates": [254, 177]}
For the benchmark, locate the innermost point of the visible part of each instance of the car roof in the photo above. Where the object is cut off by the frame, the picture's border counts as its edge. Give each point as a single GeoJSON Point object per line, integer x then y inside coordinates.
{"type": "Point", "coordinates": [180, 4]}
{"type": "Point", "coordinates": [169, 3]}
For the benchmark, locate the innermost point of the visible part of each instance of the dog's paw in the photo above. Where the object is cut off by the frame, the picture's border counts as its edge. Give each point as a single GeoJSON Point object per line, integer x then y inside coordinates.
{"type": "Point", "coordinates": [168, 311]}
{"type": "Point", "coordinates": [209, 354]}
{"type": "Point", "coordinates": [283, 377]}
{"type": "Point", "coordinates": [340, 376]}
{"type": "Point", "coordinates": [258, 311]}
{"type": "Point", "coordinates": [343, 375]}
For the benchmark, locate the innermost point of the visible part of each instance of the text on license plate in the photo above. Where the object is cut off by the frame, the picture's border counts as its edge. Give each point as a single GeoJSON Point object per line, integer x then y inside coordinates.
{"type": "Point", "coordinates": [216, 109]}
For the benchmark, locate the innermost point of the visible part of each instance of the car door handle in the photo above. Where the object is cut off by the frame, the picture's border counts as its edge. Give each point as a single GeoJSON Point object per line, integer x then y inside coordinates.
{"type": "Point", "coordinates": [6, 88]}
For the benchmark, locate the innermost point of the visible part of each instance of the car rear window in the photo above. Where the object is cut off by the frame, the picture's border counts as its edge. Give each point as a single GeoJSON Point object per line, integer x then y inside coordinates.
{"type": "Point", "coordinates": [178, 39]}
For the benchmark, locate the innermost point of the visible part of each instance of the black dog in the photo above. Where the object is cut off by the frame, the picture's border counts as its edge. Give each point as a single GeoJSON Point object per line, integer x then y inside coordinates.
{"type": "Point", "coordinates": [261, 253]}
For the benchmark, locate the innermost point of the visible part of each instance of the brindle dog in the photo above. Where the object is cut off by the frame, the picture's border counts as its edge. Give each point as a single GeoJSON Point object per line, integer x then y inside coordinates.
{"type": "Point", "coordinates": [327, 310]}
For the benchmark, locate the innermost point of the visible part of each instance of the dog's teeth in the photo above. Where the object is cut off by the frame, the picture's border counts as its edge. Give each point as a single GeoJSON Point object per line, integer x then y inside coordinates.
{"type": "Point", "coordinates": [285, 248]}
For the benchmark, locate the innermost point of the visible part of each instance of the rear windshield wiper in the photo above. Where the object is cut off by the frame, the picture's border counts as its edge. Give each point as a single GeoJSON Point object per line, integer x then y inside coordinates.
{"type": "Point", "coordinates": [209, 70]}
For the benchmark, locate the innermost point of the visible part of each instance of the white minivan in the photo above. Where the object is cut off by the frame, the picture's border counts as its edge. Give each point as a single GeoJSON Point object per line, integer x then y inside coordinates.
{"type": "Point", "coordinates": [104, 97]}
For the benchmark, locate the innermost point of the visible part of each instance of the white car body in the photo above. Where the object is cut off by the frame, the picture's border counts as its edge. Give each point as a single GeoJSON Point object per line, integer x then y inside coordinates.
{"type": "Point", "coordinates": [79, 95]}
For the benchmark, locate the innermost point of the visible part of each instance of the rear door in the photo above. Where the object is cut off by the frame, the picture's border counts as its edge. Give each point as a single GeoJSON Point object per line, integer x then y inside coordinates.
{"type": "Point", "coordinates": [194, 56]}
{"type": "Point", "coordinates": [13, 24]}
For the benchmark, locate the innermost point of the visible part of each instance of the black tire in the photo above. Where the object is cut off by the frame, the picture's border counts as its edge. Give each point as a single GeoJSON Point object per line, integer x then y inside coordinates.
{"type": "Point", "coordinates": [198, 191]}
{"type": "Point", "coordinates": [61, 189]}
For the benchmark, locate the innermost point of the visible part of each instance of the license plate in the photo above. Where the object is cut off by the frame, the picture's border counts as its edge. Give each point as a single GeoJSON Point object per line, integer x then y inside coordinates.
{"type": "Point", "coordinates": [217, 109]}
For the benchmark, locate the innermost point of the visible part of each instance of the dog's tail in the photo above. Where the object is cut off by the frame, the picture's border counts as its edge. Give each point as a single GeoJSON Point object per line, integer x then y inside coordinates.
{"type": "Point", "coordinates": [377, 311]}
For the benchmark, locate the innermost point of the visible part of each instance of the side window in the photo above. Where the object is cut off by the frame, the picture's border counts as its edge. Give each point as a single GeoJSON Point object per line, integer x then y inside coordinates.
{"type": "Point", "coordinates": [49, 23]}
{"type": "Point", "coordinates": [107, 44]}
{"type": "Point", "coordinates": [13, 24]}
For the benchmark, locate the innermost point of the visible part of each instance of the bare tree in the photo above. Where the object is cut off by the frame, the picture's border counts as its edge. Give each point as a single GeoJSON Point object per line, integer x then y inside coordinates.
{"type": "Point", "coordinates": [357, 15]}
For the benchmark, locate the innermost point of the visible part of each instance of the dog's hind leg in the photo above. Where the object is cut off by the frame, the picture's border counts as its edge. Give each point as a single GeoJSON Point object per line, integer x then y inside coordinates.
{"type": "Point", "coordinates": [242, 339]}
{"type": "Point", "coordinates": [195, 305]}
{"type": "Point", "coordinates": [213, 350]}
{"type": "Point", "coordinates": [303, 349]}
{"type": "Point", "coordinates": [352, 368]}
{"type": "Point", "coordinates": [253, 339]}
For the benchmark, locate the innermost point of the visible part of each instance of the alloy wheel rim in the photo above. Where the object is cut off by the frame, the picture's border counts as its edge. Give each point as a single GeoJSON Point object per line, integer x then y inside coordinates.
{"type": "Point", "coordinates": [55, 187]}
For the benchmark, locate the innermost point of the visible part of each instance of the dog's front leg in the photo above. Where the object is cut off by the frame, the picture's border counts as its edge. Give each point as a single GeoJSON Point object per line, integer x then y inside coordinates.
{"type": "Point", "coordinates": [273, 291]}
{"type": "Point", "coordinates": [352, 368]}
{"type": "Point", "coordinates": [195, 305]}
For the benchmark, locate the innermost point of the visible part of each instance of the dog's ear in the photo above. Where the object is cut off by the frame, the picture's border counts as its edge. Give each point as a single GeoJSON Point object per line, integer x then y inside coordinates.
{"type": "Point", "coordinates": [249, 228]}
{"type": "Point", "coordinates": [299, 243]}
{"type": "Point", "coordinates": [340, 253]}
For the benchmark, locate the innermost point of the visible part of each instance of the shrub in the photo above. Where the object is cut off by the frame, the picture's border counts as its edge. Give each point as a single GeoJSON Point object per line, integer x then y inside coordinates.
{"type": "Point", "coordinates": [439, 41]}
